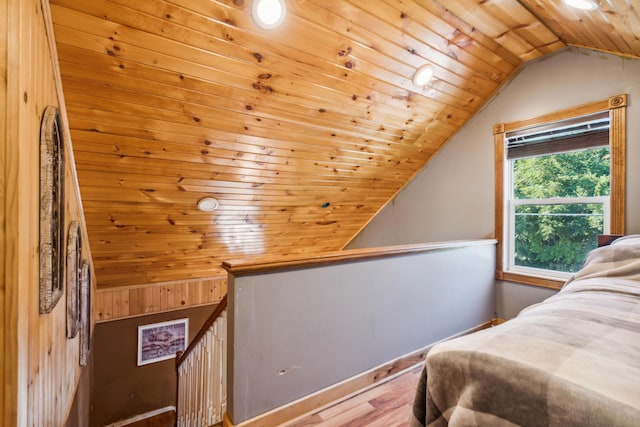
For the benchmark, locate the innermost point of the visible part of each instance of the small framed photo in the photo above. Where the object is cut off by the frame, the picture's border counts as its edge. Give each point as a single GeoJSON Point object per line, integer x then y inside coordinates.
{"type": "Point", "coordinates": [161, 341]}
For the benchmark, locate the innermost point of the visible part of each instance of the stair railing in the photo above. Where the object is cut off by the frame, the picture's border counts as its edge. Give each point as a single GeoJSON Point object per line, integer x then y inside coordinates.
{"type": "Point", "coordinates": [201, 386]}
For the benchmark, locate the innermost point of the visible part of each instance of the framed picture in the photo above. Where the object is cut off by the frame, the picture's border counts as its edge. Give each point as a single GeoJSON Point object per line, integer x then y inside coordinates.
{"type": "Point", "coordinates": [85, 312]}
{"type": "Point", "coordinates": [74, 276]}
{"type": "Point", "coordinates": [52, 240]}
{"type": "Point", "coordinates": [161, 341]}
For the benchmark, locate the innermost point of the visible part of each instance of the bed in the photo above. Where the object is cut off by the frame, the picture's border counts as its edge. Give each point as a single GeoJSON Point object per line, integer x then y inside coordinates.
{"type": "Point", "coordinates": [571, 360]}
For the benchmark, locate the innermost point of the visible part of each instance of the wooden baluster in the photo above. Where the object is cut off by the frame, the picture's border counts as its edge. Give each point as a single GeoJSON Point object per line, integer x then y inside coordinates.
{"type": "Point", "coordinates": [201, 387]}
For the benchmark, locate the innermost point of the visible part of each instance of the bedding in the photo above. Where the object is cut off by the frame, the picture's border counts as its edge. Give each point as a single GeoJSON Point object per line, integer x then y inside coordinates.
{"type": "Point", "coordinates": [571, 360]}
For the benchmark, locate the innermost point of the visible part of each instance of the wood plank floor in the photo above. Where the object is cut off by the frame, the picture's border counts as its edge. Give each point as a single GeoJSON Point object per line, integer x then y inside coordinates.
{"type": "Point", "coordinates": [386, 405]}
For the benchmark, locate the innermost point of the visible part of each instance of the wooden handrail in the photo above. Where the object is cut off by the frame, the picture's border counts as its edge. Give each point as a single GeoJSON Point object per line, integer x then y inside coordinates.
{"type": "Point", "coordinates": [182, 355]}
{"type": "Point", "coordinates": [239, 268]}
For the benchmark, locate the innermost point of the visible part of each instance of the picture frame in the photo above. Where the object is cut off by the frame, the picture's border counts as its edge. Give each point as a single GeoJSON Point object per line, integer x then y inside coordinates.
{"type": "Point", "coordinates": [52, 210]}
{"type": "Point", "coordinates": [161, 341]}
{"type": "Point", "coordinates": [85, 312]}
{"type": "Point", "coordinates": [73, 278]}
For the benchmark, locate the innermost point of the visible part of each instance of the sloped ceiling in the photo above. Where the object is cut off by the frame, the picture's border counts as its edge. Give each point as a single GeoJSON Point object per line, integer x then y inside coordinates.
{"type": "Point", "coordinates": [301, 133]}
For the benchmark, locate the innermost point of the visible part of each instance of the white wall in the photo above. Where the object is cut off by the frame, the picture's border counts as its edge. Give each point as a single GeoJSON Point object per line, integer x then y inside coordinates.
{"type": "Point", "coordinates": [452, 198]}
{"type": "Point", "coordinates": [511, 297]}
{"type": "Point", "coordinates": [297, 331]}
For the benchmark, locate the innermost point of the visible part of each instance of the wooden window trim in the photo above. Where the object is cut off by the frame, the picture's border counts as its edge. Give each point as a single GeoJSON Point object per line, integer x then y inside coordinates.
{"type": "Point", "coordinates": [617, 106]}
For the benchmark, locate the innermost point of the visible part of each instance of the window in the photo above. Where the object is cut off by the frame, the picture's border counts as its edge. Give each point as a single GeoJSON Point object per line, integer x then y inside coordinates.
{"type": "Point", "coordinates": [559, 183]}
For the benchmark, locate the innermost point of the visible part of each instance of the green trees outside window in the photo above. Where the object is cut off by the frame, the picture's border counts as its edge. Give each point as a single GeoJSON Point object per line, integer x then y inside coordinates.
{"type": "Point", "coordinates": [560, 205]}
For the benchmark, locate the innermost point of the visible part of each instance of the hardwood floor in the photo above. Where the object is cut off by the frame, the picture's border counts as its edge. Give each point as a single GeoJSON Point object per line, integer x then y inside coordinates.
{"type": "Point", "coordinates": [387, 405]}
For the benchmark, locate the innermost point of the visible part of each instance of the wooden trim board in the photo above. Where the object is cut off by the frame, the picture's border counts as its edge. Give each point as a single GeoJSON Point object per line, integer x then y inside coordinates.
{"type": "Point", "coordinates": [240, 268]}
{"type": "Point", "coordinates": [142, 417]}
{"type": "Point", "coordinates": [347, 388]}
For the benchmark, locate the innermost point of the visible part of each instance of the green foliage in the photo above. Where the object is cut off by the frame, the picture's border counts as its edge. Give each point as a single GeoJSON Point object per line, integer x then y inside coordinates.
{"type": "Point", "coordinates": [558, 236]}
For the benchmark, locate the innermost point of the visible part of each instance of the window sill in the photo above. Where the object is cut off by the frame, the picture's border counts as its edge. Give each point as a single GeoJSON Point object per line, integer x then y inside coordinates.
{"type": "Point", "coordinates": [530, 280]}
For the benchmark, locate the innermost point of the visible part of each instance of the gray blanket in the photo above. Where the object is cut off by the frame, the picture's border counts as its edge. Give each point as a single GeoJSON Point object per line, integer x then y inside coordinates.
{"type": "Point", "coordinates": [572, 360]}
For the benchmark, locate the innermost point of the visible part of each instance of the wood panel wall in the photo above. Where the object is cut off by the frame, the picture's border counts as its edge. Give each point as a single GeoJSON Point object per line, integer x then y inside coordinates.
{"type": "Point", "coordinates": [132, 301]}
{"type": "Point", "coordinates": [8, 377]}
{"type": "Point", "coordinates": [40, 366]}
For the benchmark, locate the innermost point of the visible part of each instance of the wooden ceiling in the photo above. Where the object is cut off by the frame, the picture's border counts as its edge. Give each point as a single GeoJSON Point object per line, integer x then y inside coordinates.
{"type": "Point", "coordinates": [302, 133]}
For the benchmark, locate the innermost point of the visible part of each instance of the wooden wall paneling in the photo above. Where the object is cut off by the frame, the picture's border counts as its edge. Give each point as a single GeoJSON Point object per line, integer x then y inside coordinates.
{"type": "Point", "coordinates": [328, 118]}
{"type": "Point", "coordinates": [184, 112]}
{"type": "Point", "coordinates": [116, 304]}
{"type": "Point", "coordinates": [524, 36]}
{"type": "Point", "coordinates": [132, 180]}
{"type": "Point", "coordinates": [202, 106]}
{"type": "Point", "coordinates": [428, 21]}
{"type": "Point", "coordinates": [143, 215]}
{"type": "Point", "coordinates": [216, 290]}
{"type": "Point", "coordinates": [140, 298]}
{"type": "Point", "coordinates": [178, 294]}
{"type": "Point", "coordinates": [455, 63]}
{"type": "Point", "coordinates": [218, 114]}
{"type": "Point", "coordinates": [204, 162]}
{"type": "Point", "coordinates": [148, 298]}
{"type": "Point", "coordinates": [173, 100]}
{"type": "Point", "coordinates": [236, 150]}
{"type": "Point", "coordinates": [108, 307]}
{"type": "Point", "coordinates": [614, 27]}
{"type": "Point", "coordinates": [618, 21]}
{"type": "Point", "coordinates": [40, 367]}
{"type": "Point", "coordinates": [233, 134]}
{"type": "Point", "coordinates": [195, 291]}
{"type": "Point", "coordinates": [625, 20]}
{"type": "Point", "coordinates": [201, 21]}
{"type": "Point", "coordinates": [124, 298]}
{"type": "Point", "coordinates": [163, 298]}
{"type": "Point", "coordinates": [171, 295]}
{"type": "Point", "coordinates": [143, 78]}
{"type": "Point", "coordinates": [7, 374]}
{"type": "Point", "coordinates": [146, 47]}
{"type": "Point", "coordinates": [257, 179]}
{"type": "Point", "coordinates": [120, 303]}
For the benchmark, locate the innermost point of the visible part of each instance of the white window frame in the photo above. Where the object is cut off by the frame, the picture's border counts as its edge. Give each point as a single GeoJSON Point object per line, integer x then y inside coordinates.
{"type": "Point", "coordinates": [512, 202]}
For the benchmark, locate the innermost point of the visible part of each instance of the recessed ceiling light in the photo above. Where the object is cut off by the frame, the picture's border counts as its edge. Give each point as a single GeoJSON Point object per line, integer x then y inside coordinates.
{"type": "Point", "coordinates": [268, 14]}
{"type": "Point", "coordinates": [582, 4]}
{"type": "Point", "coordinates": [208, 204]}
{"type": "Point", "coordinates": [423, 75]}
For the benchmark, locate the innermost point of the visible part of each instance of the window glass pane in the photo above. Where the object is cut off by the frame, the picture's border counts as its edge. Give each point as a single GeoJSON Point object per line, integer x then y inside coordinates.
{"type": "Point", "coordinates": [573, 174]}
{"type": "Point", "coordinates": [556, 236]}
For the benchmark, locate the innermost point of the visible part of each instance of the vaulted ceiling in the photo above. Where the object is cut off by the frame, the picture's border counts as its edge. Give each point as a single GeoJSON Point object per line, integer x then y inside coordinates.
{"type": "Point", "coordinates": [302, 133]}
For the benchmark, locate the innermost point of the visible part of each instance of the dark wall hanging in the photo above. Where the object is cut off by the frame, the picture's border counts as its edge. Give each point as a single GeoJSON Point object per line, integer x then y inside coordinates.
{"type": "Point", "coordinates": [85, 312]}
{"type": "Point", "coordinates": [74, 276]}
{"type": "Point", "coordinates": [52, 160]}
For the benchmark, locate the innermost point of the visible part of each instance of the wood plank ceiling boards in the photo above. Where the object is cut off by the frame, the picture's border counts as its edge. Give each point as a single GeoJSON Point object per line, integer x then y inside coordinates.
{"type": "Point", "coordinates": [302, 133]}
